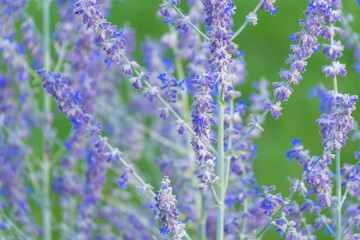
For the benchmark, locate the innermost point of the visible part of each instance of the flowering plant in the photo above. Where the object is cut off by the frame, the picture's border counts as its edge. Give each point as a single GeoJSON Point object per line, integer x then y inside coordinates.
{"type": "Point", "coordinates": [96, 143]}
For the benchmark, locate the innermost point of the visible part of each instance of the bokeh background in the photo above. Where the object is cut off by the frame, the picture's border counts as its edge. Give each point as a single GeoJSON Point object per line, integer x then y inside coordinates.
{"type": "Point", "coordinates": [266, 48]}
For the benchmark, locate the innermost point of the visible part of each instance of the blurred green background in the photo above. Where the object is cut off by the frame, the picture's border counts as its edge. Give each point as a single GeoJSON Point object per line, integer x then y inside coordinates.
{"type": "Point", "coordinates": [266, 48]}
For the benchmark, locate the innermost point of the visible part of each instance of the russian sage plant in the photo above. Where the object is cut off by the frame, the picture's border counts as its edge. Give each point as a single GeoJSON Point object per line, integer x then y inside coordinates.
{"type": "Point", "coordinates": [85, 125]}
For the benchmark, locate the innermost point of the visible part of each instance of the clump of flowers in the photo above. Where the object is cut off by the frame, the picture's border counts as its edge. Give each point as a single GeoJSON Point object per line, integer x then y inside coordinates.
{"type": "Point", "coordinates": [165, 209]}
{"type": "Point", "coordinates": [81, 148]}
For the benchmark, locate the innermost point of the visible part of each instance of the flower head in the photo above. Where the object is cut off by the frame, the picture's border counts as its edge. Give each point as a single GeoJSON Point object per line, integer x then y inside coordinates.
{"type": "Point", "coordinates": [165, 209]}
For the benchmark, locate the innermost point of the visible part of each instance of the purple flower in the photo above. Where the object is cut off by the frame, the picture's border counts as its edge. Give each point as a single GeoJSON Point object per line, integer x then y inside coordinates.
{"type": "Point", "coordinates": [270, 203]}
{"type": "Point", "coordinates": [165, 209]}
{"type": "Point", "coordinates": [322, 93]}
{"type": "Point", "coordinates": [274, 108]}
{"type": "Point", "coordinates": [305, 43]}
{"type": "Point", "coordinates": [268, 5]}
{"type": "Point", "coordinates": [281, 91]}
{"type": "Point", "coordinates": [218, 25]}
{"type": "Point", "coordinates": [274, 10]}
{"type": "Point", "coordinates": [357, 67]}
{"type": "Point", "coordinates": [124, 178]}
{"type": "Point", "coordinates": [334, 69]}
{"type": "Point", "coordinates": [335, 126]}
{"type": "Point", "coordinates": [202, 109]}
{"type": "Point", "coordinates": [334, 51]}
{"type": "Point", "coordinates": [357, 155]}
{"type": "Point", "coordinates": [163, 113]}
{"type": "Point", "coordinates": [180, 128]}
{"type": "Point", "coordinates": [252, 18]}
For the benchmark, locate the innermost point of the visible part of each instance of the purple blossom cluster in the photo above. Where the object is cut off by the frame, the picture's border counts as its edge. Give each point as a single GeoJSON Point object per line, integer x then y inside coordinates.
{"type": "Point", "coordinates": [202, 120]}
{"type": "Point", "coordinates": [165, 209]}
{"type": "Point", "coordinates": [67, 181]}
{"type": "Point", "coordinates": [219, 23]}
{"type": "Point", "coordinates": [336, 125]}
{"type": "Point", "coordinates": [305, 43]}
{"type": "Point", "coordinates": [106, 34]}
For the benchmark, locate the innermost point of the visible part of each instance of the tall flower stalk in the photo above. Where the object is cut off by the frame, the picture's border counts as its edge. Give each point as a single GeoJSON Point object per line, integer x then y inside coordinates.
{"type": "Point", "coordinates": [46, 168]}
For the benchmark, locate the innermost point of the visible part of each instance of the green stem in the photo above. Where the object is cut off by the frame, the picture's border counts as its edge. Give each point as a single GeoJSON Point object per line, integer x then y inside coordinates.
{"type": "Point", "coordinates": [220, 168]}
{"type": "Point", "coordinates": [13, 225]}
{"type": "Point", "coordinates": [227, 167]}
{"type": "Point", "coordinates": [343, 198]}
{"type": "Point", "coordinates": [349, 229]}
{"type": "Point", "coordinates": [187, 19]}
{"type": "Point", "coordinates": [61, 57]}
{"type": "Point", "coordinates": [272, 218]}
{"type": "Point", "coordinates": [246, 21]}
{"type": "Point", "coordinates": [202, 220]}
{"type": "Point", "coordinates": [29, 69]}
{"type": "Point", "coordinates": [244, 225]}
{"type": "Point", "coordinates": [338, 169]}
{"type": "Point", "coordinates": [153, 134]}
{"type": "Point", "coordinates": [287, 200]}
{"type": "Point", "coordinates": [215, 195]}
{"type": "Point", "coordinates": [147, 84]}
{"type": "Point", "coordinates": [252, 128]}
{"type": "Point", "coordinates": [326, 224]}
{"type": "Point", "coordinates": [46, 205]}
{"type": "Point", "coordinates": [338, 194]}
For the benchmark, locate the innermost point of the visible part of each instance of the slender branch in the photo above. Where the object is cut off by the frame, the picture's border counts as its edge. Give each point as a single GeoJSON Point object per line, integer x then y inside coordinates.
{"type": "Point", "coordinates": [154, 134]}
{"type": "Point", "coordinates": [243, 230]}
{"type": "Point", "coordinates": [187, 20]}
{"type": "Point", "coordinates": [61, 57]}
{"type": "Point", "coordinates": [246, 21]}
{"type": "Point", "coordinates": [349, 229]}
{"type": "Point", "coordinates": [202, 220]}
{"type": "Point", "coordinates": [215, 194]}
{"type": "Point", "coordinates": [287, 200]}
{"type": "Point", "coordinates": [338, 194]}
{"type": "Point", "coordinates": [352, 168]}
{"type": "Point", "coordinates": [220, 165]}
{"type": "Point", "coordinates": [327, 225]}
{"type": "Point", "coordinates": [162, 100]}
{"type": "Point", "coordinates": [13, 225]}
{"type": "Point", "coordinates": [306, 226]}
{"type": "Point", "coordinates": [343, 198]}
{"type": "Point", "coordinates": [228, 159]}
{"type": "Point", "coordinates": [338, 168]}
{"type": "Point", "coordinates": [252, 128]}
{"type": "Point", "coordinates": [29, 69]}
{"type": "Point", "coordinates": [273, 217]}
{"type": "Point", "coordinates": [46, 204]}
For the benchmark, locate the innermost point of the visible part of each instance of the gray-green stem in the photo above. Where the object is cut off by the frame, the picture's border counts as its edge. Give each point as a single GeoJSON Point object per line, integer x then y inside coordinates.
{"type": "Point", "coordinates": [13, 225]}
{"type": "Point", "coordinates": [147, 84]}
{"type": "Point", "coordinates": [337, 171]}
{"type": "Point", "coordinates": [287, 200]}
{"type": "Point", "coordinates": [227, 167]}
{"type": "Point", "coordinates": [46, 204]}
{"type": "Point", "coordinates": [220, 168]}
{"type": "Point", "coordinates": [338, 195]}
{"type": "Point", "coordinates": [246, 21]}
{"type": "Point", "coordinates": [252, 128]}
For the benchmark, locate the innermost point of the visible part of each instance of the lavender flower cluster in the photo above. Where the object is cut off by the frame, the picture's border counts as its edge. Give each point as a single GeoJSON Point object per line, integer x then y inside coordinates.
{"type": "Point", "coordinates": [81, 152]}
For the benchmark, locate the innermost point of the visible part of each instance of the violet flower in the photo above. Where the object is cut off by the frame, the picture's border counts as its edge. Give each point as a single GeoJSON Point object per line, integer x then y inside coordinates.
{"type": "Point", "coordinates": [166, 210]}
